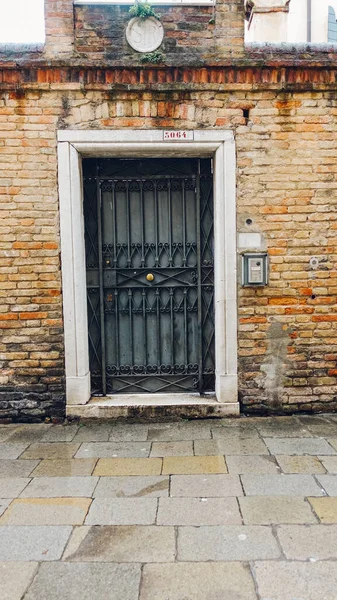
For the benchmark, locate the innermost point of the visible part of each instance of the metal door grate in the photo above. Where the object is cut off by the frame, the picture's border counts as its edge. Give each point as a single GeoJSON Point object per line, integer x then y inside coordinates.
{"type": "Point", "coordinates": [146, 219]}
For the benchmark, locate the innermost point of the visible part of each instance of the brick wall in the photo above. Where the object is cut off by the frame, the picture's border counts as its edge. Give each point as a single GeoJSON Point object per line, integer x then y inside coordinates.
{"type": "Point", "coordinates": [287, 181]}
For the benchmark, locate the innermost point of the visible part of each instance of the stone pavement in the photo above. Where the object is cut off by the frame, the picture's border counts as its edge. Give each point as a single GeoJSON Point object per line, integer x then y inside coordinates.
{"type": "Point", "coordinates": [231, 509]}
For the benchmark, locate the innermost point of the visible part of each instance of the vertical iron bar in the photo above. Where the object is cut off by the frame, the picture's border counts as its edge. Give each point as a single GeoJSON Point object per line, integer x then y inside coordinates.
{"type": "Point", "coordinates": [101, 284]}
{"type": "Point", "coordinates": [142, 223]}
{"type": "Point", "coordinates": [172, 326]}
{"type": "Point", "coordinates": [144, 324]}
{"type": "Point", "coordinates": [185, 328]}
{"type": "Point", "coordinates": [158, 327]}
{"type": "Point", "coordinates": [117, 327]}
{"type": "Point", "coordinates": [169, 220]}
{"type": "Point", "coordinates": [199, 277]}
{"type": "Point", "coordinates": [184, 224]}
{"type": "Point", "coordinates": [128, 225]}
{"type": "Point", "coordinates": [114, 224]}
{"type": "Point", "coordinates": [156, 212]}
{"type": "Point", "coordinates": [131, 323]}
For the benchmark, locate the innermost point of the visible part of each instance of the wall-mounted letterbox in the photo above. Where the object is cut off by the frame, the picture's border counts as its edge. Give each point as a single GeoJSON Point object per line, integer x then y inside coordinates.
{"type": "Point", "coordinates": [254, 268]}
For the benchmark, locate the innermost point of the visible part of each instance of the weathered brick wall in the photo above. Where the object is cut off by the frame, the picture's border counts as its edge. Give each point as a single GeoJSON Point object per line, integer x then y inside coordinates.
{"type": "Point", "coordinates": [287, 181]}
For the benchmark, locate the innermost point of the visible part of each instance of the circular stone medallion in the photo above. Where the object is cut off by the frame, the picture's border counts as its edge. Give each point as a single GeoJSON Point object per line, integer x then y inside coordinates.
{"type": "Point", "coordinates": [144, 35]}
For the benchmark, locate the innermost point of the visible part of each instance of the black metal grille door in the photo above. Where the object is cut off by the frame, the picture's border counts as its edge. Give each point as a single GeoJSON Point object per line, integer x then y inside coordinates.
{"type": "Point", "coordinates": [149, 256]}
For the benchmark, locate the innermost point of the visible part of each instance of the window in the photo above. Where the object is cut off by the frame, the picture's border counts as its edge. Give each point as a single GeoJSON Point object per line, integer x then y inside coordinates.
{"type": "Point", "coordinates": [22, 21]}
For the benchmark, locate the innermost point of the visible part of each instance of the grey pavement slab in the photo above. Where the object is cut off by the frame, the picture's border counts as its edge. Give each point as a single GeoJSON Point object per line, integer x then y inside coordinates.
{"type": "Point", "coordinates": [197, 581]}
{"type": "Point", "coordinates": [129, 432]}
{"type": "Point", "coordinates": [333, 442]}
{"type": "Point", "coordinates": [319, 425]}
{"type": "Point", "coordinates": [17, 468]}
{"type": "Point", "coordinates": [46, 511]}
{"type": "Point", "coordinates": [312, 446]}
{"type": "Point", "coordinates": [138, 486]}
{"type": "Point", "coordinates": [27, 434]}
{"type": "Point", "coordinates": [197, 486]}
{"type": "Point", "coordinates": [122, 511]}
{"type": "Point", "coordinates": [11, 487]}
{"type": "Point", "coordinates": [88, 581]}
{"type": "Point", "coordinates": [172, 449]}
{"type": "Point", "coordinates": [329, 483]}
{"type": "Point", "coordinates": [4, 503]}
{"type": "Point", "coordinates": [12, 450]}
{"type": "Point", "coordinates": [60, 433]}
{"type": "Point", "coordinates": [131, 543]}
{"type": "Point", "coordinates": [252, 464]}
{"type": "Point", "coordinates": [268, 510]}
{"type": "Point", "coordinates": [281, 427]}
{"type": "Point", "coordinates": [230, 445]}
{"type": "Point", "coordinates": [53, 487]}
{"type": "Point", "coordinates": [114, 449]}
{"type": "Point", "coordinates": [296, 580]}
{"type": "Point", "coordinates": [198, 511]}
{"type": "Point", "coordinates": [93, 432]}
{"type": "Point", "coordinates": [329, 463]}
{"type": "Point", "coordinates": [308, 542]}
{"type": "Point", "coordinates": [179, 432]}
{"type": "Point", "coordinates": [33, 543]}
{"type": "Point", "coordinates": [51, 450]}
{"type": "Point", "coordinates": [5, 434]}
{"type": "Point", "coordinates": [227, 542]}
{"type": "Point", "coordinates": [15, 578]}
{"type": "Point", "coordinates": [73, 467]}
{"type": "Point", "coordinates": [280, 485]}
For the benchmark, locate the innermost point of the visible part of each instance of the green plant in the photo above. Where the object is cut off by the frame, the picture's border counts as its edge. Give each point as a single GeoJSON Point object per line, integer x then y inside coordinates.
{"type": "Point", "coordinates": [152, 57]}
{"type": "Point", "coordinates": [143, 10]}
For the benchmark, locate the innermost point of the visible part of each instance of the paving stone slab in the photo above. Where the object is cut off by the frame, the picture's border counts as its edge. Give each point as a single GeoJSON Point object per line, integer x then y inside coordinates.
{"type": "Point", "coordinates": [325, 508]}
{"type": "Point", "coordinates": [4, 503]}
{"type": "Point", "coordinates": [329, 483]}
{"type": "Point", "coordinates": [333, 442]}
{"type": "Point", "coordinates": [231, 445]}
{"type": "Point", "coordinates": [129, 432]}
{"type": "Point", "coordinates": [15, 578]}
{"type": "Point", "coordinates": [132, 543]}
{"type": "Point", "coordinates": [242, 428]}
{"type": "Point", "coordinates": [329, 463]}
{"type": "Point", "coordinates": [5, 434]}
{"type": "Point", "coordinates": [296, 581]}
{"type": "Point", "coordinates": [87, 581]}
{"type": "Point", "coordinates": [60, 433]}
{"type": "Point", "coordinates": [27, 434]}
{"type": "Point", "coordinates": [268, 510]}
{"type": "Point", "coordinates": [189, 465]}
{"type": "Point", "coordinates": [73, 467]}
{"type": "Point", "coordinates": [33, 543]}
{"type": "Point", "coordinates": [227, 542]}
{"type": "Point", "coordinates": [99, 432]}
{"type": "Point", "coordinates": [118, 467]}
{"type": "Point", "coordinates": [300, 464]}
{"type": "Point", "coordinates": [53, 487]}
{"type": "Point", "coordinates": [124, 487]}
{"type": "Point", "coordinates": [11, 487]}
{"type": "Point", "coordinates": [12, 450]}
{"type": "Point", "coordinates": [252, 464]}
{"type": "Point", "coordinates": [290, 446]}
{"type": "Point", "coordinates": [51, 450]}
{"type": "Point", "coordinates": [179, 432]}
{"type": "Point", "coordinates": [319, 425]}
{"type": "Point", "coordinates": [17, 468]}
{"type": "Point", "coordinates": [198, 511]}
{"type": "Point", "coordinates": [172, 449]}
{"type": "Point", "coordinates": [197, 581]}
{"type": "Point", "coordinates": [280, 485]}
{"type": "Point", "coordinates": [197, 486]}
{"type": "Point", "coordinates": [282, 427]}
{"type": "Point", "coordinates": [122, 511]}
{"type": "Point", "coordinates": [114, 449]}
{"type": "Point", "coordinates": [46, 511]}
{"type": "Point", "coordinates": [308, 542]}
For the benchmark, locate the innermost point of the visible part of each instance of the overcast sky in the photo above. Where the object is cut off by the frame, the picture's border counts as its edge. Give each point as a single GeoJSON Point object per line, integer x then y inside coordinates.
{"type": "Point", "coordinates": [21, 21]}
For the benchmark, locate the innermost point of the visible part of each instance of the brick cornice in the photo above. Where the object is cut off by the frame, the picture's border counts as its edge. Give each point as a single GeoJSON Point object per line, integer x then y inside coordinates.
{"type": "Point", "coordinates": [166, 78]}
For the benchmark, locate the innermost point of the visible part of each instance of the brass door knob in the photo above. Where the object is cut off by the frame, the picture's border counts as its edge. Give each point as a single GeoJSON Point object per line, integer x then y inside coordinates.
{"type": "Point", "coordinates": [150, 277]}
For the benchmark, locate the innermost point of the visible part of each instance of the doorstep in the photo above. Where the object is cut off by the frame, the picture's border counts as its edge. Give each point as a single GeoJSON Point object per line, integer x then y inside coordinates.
{"type": "Point", "coordinates": [153, 407]}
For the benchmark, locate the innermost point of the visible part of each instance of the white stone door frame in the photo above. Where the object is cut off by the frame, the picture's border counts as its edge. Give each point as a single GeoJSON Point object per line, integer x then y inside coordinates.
{"type": "Point", "coordinates": [72, 146]}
